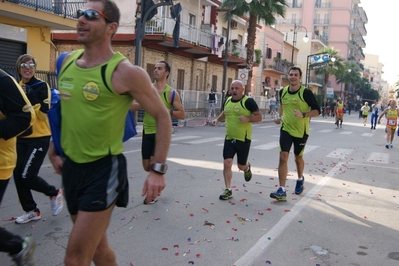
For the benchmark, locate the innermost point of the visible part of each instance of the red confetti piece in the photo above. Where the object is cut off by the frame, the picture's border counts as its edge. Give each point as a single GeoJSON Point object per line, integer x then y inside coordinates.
{"type": "Point", "coordinates": [365, 217]}
{"type": "Point", "coordinates": [131, 264]}
{"type": "Point", "coordinates": [268, 209]}
{"type": "Point", "coordinates": [234, 229]}
{"type": "Point", "coordinates": [176, 246]}
{"type": "Point", "coordinates": [228, 221]}
{"type": "Point", "coordinates": [157, 219]}
{"type": "Point", "coordinates": [11, 219]}
{"type": "Point", "coordinates": [287, 210]}
{"type": "Point", "coordinates": [198, 255]}
{"type": "Point", "coordinates": [205, 209]}
{"type": "Point", "coordinates": [191, 214]}
{"type": "Point", "coordinates": [165, 249]}
{"type": "Point", "coordinates": [177, 254]}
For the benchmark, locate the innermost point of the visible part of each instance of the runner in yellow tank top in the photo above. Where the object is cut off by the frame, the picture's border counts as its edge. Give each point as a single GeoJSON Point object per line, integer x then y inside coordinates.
{"type": "Point", "coordinates": [339, 112]}
{"type": "Point", "coordinates": [392, 114]}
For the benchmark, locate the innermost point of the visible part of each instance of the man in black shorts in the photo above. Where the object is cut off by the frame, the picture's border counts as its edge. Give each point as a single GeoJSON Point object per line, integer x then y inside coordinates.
{"type": "Point", "coordinates": [240, 111]}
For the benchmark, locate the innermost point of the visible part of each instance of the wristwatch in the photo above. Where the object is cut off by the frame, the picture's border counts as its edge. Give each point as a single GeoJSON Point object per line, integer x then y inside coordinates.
{"type": "Point", "coordinates": [303, 115]}
{"type": "Point", "coordinates": [159, 168]}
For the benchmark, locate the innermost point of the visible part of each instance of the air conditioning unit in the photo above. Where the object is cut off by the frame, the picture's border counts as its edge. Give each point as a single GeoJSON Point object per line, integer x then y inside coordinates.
{"type": "Point", "coordinates": [233, 24]}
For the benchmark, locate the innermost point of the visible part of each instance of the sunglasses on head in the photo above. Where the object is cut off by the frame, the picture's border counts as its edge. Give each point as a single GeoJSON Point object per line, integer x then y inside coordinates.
{"type": "Point", "coordinates": [91, 14]}
{"type": "Point", "coordinates": [26, 65]}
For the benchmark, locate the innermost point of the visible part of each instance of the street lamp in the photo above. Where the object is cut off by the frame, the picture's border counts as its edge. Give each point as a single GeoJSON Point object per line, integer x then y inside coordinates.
{"type": "Point", "coordinates": [226, 50]}
{"type": "Point", "coordinates": [341, 94]}
{"type": "Point", "coordinates": [305, 39]}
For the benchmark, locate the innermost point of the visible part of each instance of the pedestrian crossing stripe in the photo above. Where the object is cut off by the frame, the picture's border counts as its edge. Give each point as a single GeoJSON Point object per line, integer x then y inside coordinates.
{"type": "Point", "coordinates": [378, 157]}
{"type": "Point", "coordinates": [340, 153]}
{"type": "Point", "coordinates": [200, 141]}
{"type": "Point", "coordinates": [267, 146]}
{"type": "Point", "coordinates": [175, 138]}
{"type": "Point", "coordinates": [367, 135]}
{"type": "Point", "coordinates": [309, 148]}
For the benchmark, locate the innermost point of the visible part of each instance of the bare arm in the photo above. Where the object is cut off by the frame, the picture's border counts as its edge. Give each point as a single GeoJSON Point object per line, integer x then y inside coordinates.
{"type": "Point", "coordinates": [135, 106]}
{"type": "Point", "coordinates": [133, 80]}
{"type": "Point", "coordinates": [221, 117]}
{"type": "Point", "coordinates": [178, 109]}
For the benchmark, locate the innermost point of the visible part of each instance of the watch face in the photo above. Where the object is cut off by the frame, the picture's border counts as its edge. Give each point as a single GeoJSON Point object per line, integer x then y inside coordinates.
{"type": "Point", "coordinates": [160, 167]}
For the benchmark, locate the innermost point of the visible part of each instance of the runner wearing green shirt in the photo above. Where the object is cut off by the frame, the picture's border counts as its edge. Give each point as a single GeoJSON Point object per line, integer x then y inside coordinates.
{"type": "Point", "coordinates": [297, 105]}
{"type": "Point", "coordinates": [239, 112]}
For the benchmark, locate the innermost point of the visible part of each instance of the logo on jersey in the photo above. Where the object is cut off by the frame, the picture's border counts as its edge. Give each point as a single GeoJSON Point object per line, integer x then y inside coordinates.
{"type": "Point", "coordinates": [91, 91]}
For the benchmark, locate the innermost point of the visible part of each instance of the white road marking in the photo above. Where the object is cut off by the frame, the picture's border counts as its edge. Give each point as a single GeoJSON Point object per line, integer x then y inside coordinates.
{"type": "Point", "coordinates": [268, 239]}
{"type": "Point", "coordinates": [267, 146]}
{"type": "Point", "coordinates": [340, 153]}
{"type": "Point", "coordinates": [309, 148]}
{"type": "Point", "coordinates": [200, 141]}
{"type": "Point", "coordinates": [378, 157]}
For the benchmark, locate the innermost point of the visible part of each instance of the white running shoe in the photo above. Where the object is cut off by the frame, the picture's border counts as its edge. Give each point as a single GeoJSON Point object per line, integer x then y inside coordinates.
{"type": "Point", "coordinates": [28, 216]}
{"type": "Point", "coordinates": [57, 203]}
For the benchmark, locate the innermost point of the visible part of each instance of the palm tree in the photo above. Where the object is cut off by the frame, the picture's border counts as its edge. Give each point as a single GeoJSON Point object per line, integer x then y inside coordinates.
{"type": "Point", "coordinates": [259, 10]}
{"type": "Point", "coordinates": [348, 74]}
{"type": "Point", "coordinates": [333, 67]}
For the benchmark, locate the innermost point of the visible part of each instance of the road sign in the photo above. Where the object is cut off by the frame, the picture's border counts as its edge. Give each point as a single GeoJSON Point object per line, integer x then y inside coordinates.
{"type": "Point", "coordinates": [243, 74]}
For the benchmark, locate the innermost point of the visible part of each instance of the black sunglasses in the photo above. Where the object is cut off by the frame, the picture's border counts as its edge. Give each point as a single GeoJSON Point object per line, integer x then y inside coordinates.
{"type": "Point", "coordinates": [91, 14]}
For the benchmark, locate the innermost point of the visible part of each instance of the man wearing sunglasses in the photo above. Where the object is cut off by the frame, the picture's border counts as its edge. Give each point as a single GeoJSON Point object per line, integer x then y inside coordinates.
{"type": "Point", "coordinates": [97, 87]}
{"type": "Point", "coordinates": [297, 105]}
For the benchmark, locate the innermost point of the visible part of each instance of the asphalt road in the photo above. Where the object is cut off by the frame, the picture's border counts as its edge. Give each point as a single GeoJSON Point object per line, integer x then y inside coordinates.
{"type": "Point", "coordinates": [347, 215]}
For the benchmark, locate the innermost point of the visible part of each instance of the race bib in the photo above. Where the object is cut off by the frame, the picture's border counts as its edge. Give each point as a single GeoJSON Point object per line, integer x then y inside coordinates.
{"type": "Point", "coordinates": [392, 122]}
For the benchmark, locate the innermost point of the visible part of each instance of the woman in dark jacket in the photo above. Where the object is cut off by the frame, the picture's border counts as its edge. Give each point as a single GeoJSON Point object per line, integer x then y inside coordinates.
{"type": "Point", "coordinates": [32, 149]}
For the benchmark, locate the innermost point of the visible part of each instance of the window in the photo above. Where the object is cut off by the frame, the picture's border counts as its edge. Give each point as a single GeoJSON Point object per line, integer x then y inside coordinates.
{"type": "Point", "coordinates": [214, 82]}
{"type": "Point", "coordinates": [268, 53]}
{"type": "Point", "coordinates": [239, 39]}
{"type": "Point", "coordinates": [180, 79]}
{"type": "Point", "coordinates": [150, 70]}
{"type": "Point", "coordinates": [191, 20]}
{"type": "Point", "coordinates": [278, 55]}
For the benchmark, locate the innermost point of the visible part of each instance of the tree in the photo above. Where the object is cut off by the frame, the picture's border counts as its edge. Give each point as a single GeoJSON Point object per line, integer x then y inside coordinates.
{"type": "Point", "coordinates": [259, 10]}
{"type": "Point", "coordinates": [333, 66]}
{"type": "Point", "coordinates": [348, 75]}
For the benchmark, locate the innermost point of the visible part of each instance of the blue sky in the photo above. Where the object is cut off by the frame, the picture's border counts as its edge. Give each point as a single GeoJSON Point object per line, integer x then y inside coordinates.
{"type": "Point", "coordinates": [382, 35]}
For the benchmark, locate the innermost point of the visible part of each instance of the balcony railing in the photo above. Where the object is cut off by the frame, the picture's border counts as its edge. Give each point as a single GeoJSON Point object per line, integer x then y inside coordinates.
{"type": "Point", "coordinates": [190, 34]}
{"type": "Point", "coordinates": [276, 65]}
{"type": "Point", "coordinates": [64, 8]}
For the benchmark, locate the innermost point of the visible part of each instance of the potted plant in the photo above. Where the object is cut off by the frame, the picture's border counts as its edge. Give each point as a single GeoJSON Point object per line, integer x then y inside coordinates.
{"type": "Point", "coordinates": [258, 55]}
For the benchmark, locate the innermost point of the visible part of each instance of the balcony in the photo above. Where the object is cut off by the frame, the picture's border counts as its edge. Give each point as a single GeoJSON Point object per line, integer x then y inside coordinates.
{"type": "Point", "coordinates": [321, 21]}
{"type": "Point", "coordinates": [320, 39]}
{"type": "Point", "coordinates": [276, 66]}
{"type": "Point", "coordinates": [51, 13]}
{"type": "Point", "coordinates": [322, 5]}
{"type": "Point", "coordinates": [197, 43]}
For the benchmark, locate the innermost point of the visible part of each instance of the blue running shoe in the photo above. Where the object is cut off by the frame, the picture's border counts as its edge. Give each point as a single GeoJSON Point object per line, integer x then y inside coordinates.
{"type": "Point", "coordinates": [279, 195]}
{"type": "Point", "coordinates": [299, 186]}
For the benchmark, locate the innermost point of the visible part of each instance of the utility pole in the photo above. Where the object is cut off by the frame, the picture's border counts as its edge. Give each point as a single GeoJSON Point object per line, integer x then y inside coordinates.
{"type": "Point", "coordinates": [140, 28]}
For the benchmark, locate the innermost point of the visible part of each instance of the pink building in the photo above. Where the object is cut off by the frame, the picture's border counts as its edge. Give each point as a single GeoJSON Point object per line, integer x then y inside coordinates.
{"type": "Point", "coordinates": [334, 23]}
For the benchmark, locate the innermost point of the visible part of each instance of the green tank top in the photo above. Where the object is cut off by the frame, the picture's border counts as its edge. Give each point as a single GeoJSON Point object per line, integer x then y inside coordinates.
{"type": "Point", "coordinates": [149, 124]}
{"type": "Point", "coordinates": [234, 128]}
{"type": "Point", "coordinates": [295, 126]}
{"type": "Point", "coordinates": [93, 114]}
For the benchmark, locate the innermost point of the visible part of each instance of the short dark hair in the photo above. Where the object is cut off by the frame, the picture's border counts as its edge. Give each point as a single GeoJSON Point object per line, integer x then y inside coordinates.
{"type": "Point", "coordinates": [167, 66]}
{"type": "Point", "coordinates": [111, 10]}
{"type": "Point", "coordinates": [296, 68]}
